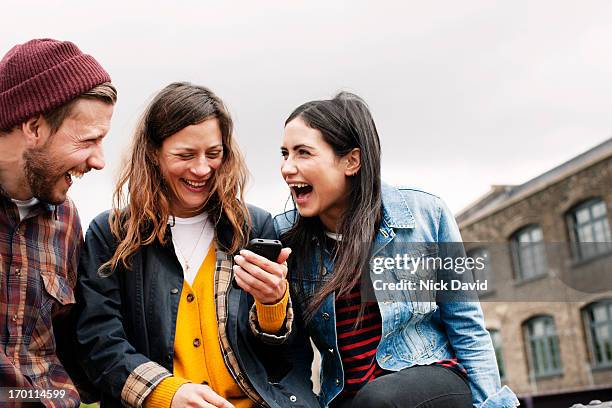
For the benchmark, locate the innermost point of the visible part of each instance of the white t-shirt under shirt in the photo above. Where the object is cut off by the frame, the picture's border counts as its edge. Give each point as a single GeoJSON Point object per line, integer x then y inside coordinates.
{"type": "Point", "coordinates": [191, 238]}
{"type": "Point", "coordinates": [333, 235]}
{"type": "Point", "coordinates": [24, 206]}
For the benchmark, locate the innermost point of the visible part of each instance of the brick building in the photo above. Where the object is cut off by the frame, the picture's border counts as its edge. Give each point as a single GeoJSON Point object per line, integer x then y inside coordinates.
{"type": "Point", "coordinates": [552, 348]}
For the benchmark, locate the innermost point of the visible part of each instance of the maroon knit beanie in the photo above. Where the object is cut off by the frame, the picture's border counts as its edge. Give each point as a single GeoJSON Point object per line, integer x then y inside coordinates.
{"type": "Point", "coordinates": [41, 75]}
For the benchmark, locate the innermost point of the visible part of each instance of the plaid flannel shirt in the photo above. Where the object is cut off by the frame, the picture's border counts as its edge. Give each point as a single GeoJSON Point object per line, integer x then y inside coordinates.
{"type": "Point", "coordinates": [38, 261]}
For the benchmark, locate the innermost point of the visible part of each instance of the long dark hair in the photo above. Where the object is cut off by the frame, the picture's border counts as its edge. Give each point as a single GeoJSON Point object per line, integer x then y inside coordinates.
{"type": "Point", "coordinates": [141, 202]}
{"type": "Point", "coordinates": [345, 123]}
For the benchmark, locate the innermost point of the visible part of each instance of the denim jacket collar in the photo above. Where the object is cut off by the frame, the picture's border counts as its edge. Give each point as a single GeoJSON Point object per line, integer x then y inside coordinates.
{"type": "Point", "coordinates": [396, 213]}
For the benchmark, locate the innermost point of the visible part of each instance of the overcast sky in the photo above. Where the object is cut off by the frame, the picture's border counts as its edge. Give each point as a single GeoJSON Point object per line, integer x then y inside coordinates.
{"type": "Point", "coordinates": [465, 94]}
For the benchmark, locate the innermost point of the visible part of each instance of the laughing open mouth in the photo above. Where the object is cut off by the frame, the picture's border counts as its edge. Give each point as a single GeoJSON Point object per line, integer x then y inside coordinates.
{"type": "Point", "coordinates": [70, 174]}
{"type": "Point", "coordinates": [300, 189]}
{"type": "Point", "coordinates": [194, 184]}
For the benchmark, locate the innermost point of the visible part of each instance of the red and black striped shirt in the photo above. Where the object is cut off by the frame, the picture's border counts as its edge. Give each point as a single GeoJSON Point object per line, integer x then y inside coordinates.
{"type": "Point", "coordinates": [358, 344]}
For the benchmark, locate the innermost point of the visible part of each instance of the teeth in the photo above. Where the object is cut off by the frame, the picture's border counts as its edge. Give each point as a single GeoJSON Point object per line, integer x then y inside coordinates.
{"type": "Point", "coordinates": [77, 174]}
{"type": "Point", "coordinates": [298, 185]}
{"type": "Point", "coordinates": [195, 185]}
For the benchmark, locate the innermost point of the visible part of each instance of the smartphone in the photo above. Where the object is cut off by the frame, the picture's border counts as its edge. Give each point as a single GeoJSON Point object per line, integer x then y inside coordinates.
{"type": "Point", "coordinates": [268, 248]}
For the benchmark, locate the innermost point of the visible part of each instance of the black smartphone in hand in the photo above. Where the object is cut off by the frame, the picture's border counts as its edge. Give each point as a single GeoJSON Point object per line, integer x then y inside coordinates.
{"type": "Point", "coordinates": [268, 248]}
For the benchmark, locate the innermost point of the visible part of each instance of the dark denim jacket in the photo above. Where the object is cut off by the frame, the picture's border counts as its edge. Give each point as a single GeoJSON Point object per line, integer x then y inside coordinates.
{"type": "Point", "coordinates": [414, 332]}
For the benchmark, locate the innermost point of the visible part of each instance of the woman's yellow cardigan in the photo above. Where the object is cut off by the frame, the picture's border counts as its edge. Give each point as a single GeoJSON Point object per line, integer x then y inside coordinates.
{"type": "Point", "coordinates": [197, 353]}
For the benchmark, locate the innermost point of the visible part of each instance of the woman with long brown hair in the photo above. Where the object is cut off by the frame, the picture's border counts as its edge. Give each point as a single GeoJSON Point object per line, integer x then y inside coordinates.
{"type": "Point", "coordinates": [160, 323]}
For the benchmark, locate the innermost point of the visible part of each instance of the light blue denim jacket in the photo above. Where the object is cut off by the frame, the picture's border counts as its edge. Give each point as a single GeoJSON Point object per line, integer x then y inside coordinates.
{"type": "Point", "coordinates": [413, 332]}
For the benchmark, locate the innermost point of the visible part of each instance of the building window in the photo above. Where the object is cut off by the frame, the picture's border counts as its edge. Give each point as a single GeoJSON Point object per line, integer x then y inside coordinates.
{"type": "Point", "coordinates": [543, 345]}
{"type": "Point", "coordinates": [481, 258]}
{"type": "Point", "coordinates": [599, 325]}
{"type": "Point", "coordinates": [529, 252]}
{"type": "Point", "coordinates": [589, 229]}
{"type": "Point", "coordinates": [497, 347]}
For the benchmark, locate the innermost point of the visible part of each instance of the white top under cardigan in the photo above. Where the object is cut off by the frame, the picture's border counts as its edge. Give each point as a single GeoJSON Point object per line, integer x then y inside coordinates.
{"type": "Point", "coordinates": [191, 238]}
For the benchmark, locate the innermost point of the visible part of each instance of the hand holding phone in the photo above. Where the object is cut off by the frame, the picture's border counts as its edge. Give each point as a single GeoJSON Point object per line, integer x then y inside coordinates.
{"type": "Point", "coordinates": [260, 270]}
{"type": "Point", "coordinates": [268, 248]}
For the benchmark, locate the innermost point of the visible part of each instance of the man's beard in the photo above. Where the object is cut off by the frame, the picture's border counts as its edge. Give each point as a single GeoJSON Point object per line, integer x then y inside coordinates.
{"type": "Point", "coordinates": [42, 175]}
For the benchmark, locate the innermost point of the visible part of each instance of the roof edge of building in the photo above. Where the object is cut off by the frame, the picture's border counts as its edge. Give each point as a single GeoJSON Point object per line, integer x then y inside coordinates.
{"type": "Point", "coordinates": [517, 193]}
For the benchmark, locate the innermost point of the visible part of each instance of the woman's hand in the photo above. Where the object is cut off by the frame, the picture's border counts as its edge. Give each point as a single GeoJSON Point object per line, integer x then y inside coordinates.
{"type": "Point", "coordinates": [262, 278]}
{"type": "Point", "coordinates": [198, 396]}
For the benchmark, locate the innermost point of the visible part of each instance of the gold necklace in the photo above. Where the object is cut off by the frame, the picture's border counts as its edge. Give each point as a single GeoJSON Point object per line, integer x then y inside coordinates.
{"type": "Point", "coordinates": [185, 259]}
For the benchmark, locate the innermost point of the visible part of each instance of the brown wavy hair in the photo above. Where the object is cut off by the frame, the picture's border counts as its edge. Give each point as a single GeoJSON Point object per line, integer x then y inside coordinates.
{"type": "Point", "coordinates": [142, 198]}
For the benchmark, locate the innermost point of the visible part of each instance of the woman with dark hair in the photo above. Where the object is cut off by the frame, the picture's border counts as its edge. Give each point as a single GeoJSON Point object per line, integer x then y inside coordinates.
{"type": "Point", "coordinates": [379, 348]}
{"type": "Point", "coordinates": [160, 324]}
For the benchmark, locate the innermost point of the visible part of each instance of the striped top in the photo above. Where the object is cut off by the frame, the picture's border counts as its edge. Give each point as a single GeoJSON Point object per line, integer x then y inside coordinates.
{"type": "Point", "coordinates": [358, 345]}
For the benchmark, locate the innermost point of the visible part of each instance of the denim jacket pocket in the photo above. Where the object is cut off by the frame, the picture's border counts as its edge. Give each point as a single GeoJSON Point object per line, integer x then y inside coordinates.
{"type": "Point", "coordinates": [416, 277]}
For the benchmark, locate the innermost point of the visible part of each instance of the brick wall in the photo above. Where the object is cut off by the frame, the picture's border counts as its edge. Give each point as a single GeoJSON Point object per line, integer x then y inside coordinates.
{"type": "Point", "coordinates": [547, 208]}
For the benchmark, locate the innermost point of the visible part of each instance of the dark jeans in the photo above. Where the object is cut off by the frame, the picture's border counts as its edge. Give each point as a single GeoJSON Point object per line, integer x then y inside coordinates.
{"type": "Point", "coordinates": [414, 387]}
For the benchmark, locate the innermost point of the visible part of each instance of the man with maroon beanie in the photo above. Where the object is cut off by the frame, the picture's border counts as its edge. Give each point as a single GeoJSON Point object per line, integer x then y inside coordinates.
{"type": "Point", "coordinates": [56, 105]}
